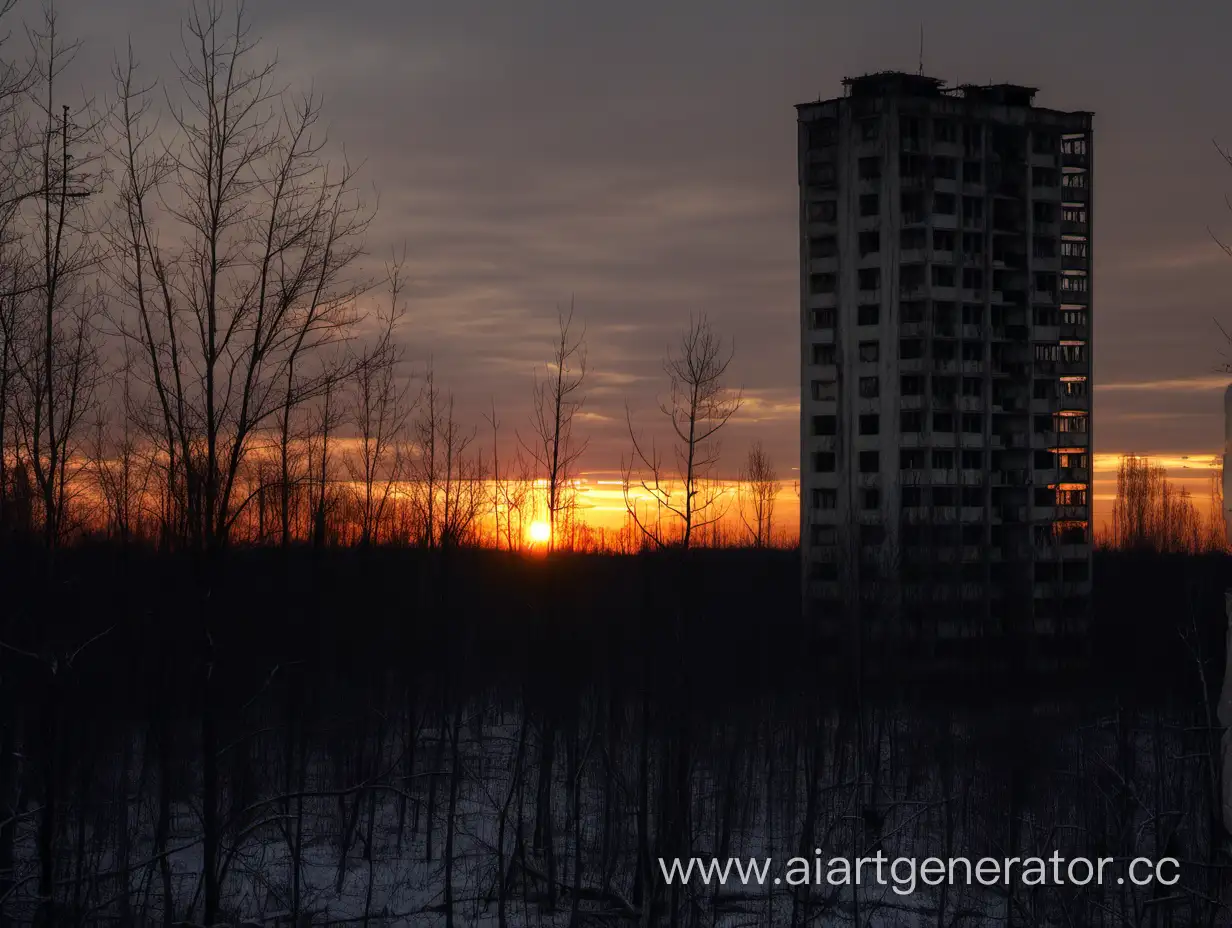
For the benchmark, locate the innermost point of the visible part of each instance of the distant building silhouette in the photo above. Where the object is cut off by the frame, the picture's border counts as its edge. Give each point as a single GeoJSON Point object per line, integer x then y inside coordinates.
{"type": "Point", "coordinates": [945, 295]}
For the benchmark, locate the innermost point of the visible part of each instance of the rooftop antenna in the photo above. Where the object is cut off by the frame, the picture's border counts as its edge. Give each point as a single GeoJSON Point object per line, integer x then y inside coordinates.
{"type": "Point", "coordinates": [921, 71]}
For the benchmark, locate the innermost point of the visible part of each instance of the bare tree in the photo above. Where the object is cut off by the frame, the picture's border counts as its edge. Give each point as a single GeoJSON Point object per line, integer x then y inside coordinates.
{"type": "Point", "coordinates": [557, 399]}
{"type": "Point", "coordinates": [380, 411]}
{"type": "Point", "coordinates": [759, 485]}
{"type": "Point", "coordinates": [700, 404]}
{"type": "Point", "coordinates": [56, 327]}
{"type": "Point", "coordinates": [229, 322]}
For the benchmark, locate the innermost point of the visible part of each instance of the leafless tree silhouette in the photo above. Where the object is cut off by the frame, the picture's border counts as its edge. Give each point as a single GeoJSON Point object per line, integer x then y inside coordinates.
{"type": "Point", "coordinates": [557, 400]}
{"type": "Point", "coordinates": [699, 405]}
{"type": "Point", "coordinates": [759, 485]}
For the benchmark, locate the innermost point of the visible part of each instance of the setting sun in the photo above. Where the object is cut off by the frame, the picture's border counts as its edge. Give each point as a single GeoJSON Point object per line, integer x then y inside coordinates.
{"type": "Point", "coordinates": [540, 532]}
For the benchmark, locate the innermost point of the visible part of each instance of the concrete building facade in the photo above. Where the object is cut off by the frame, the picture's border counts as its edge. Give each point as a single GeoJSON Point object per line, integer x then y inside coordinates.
{"type": "Point", "coordinates": [946, 327]}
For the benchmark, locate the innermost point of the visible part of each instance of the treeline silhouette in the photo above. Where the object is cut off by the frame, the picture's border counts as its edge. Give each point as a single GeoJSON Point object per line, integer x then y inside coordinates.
{"type": "Point", "coordinates": [463, 736]}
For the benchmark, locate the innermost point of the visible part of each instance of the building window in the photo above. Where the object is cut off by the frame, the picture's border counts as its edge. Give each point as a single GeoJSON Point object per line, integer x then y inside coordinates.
{"type": "Point", "coordinates": [825, 499]}
{"type": "Point", "coordinates": [1074, 214]}
{"type": "Point", "coordinates": [824, 353]}
{"type": "Point", "coordinates": [870, 498]}
{"type": "Point", "coordinates": [911, 459]}
{"type": "Point", "coordinates": [870, 351]}
{"type": "Point", "coordinates": [870, 462]}
{"type": "Point", "coordinates": [911, 384]}
{"type": "Point", "coordinates": [870, 204]}
{"type": "Point", "coordinates": [1044, 212]}
{"type": "Point", "coordinates": [1045, 247]}
{"type": "Point", "coordinates": [1071, 459]}
{"type": "Point", "coordinates": [943, 496]}
{"type": "Point", "coordinates": [943, 240]}
{"type": "Point", "coordinates": [972, 314]}
{"type": "Point", "coordinates": [1077, 181]}
{"type": "Point", "coordinates": [1043, 177]}
{"type": "Point", "coordinates": [973, 459]}
{"type": "Point", "coordinates": [972, 496]}
{"type": "Point", "coordinates": [872, 534]}
{"type": "Point", "coordinates": [912, 420]}
{"type": "Point", "coordinates": [912, 497]}
{"type": "Point", "coordinates": [911, 239]}
{"type": "Point", "coordinates": [869, 278]}
{"type": "Point", "coordinates": [912, 311]}
{"type": "Point", "coordinates": [823, 534]}
{"type": "Point", "coordinates": [822, 283]}
{"type": "Point", "coordinates": [825, 389]}
{"type": "Point", "coordinates": [1046, 283]}
{"type": "Point", "coordinates": [972, 172]}
{"type": "Point", "coordinates": [1043, 143]}
{"type": "Point", "coordinates": [821, 174]}
{"type": "Point", "coordinates": [870, 424]}
{"type": "Point", "coordinates": [973, 209]}
{"type": "Point", "coordinates": [909, 349]}
{"type": "Point", "coordinates": [943, 459]}
{"type": "Point", "coordinates": [911, 277]}
{"type": "Point", "coordinates": [944, 275]}
{"type": "Point", "coordinates": [1070, 284]}
{"type": "Point", "coordinates": [943, 422]}
{"type": "Point", "coordinates": [1045, 315]}
{"type": "Point", "coordinates": [868, 313]}
{"type": "Point", "coordinates": [870, 387]}
{"type": "Point", "coordinates": [825, 425]}
{"type": "Point", "coordinates": [944, 130]}
{"type": "Point", "coordinates": [870, 129]}
{"type": "Point", "coordinates": [944, 388]}
{"type": "Point", "coordinates": [824, 462]}
{"type": "Point", "coordinates": [824, 318]}
{"type": "Point", "coordinates": [870, 168]}
{"type": "Point", "coordinates": [972, 386]}
{"type": "Point", "coordinates": [822, 211]}
{"type": "Point", "coordinates": [944, 350]}
{"type": "Point", "coordinates": [973, 278]}
{"type": "Point", "coordinates": [945, 168]}
{"type": "Point", "coordinates": [972, 423]}
{"type": "Point", "coordinates": [972, 246]}
{"type": "Point", "coordinates": [824, 246]}
{"type": "Point", "coordinates": [1042, 424]}
{"type": "Point", "coordinates": [870, 242]}
{"type": "Point", "coordinates": [943, 203]}
{"type": "Point", "coordinates": [1074, 249]}
{"type": "Point", "coordinates": [912, 206]}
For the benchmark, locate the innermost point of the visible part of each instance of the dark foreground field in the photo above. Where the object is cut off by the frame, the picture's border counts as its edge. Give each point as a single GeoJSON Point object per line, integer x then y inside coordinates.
{"type": "Point", "coordinates": [401, 737]}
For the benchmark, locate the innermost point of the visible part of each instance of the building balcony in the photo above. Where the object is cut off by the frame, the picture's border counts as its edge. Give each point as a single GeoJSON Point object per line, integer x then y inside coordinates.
{"type": "Point", "coordinates": [1074, 159]}
{"type": "Point", "coordinates": [1074, 194]}
{"type": "Point", "coordinates": [1074, 263]}
{"type": "Point", "coordinates": [1073, 228]}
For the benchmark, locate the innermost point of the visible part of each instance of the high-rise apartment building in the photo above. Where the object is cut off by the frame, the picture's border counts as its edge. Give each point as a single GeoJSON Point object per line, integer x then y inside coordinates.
{"type": "Point", "coordinates": [945, 299]}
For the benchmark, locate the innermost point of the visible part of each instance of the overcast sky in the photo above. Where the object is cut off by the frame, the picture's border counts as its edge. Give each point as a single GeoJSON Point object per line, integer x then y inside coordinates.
{"type": "Point", "coordinates": [639, 157]}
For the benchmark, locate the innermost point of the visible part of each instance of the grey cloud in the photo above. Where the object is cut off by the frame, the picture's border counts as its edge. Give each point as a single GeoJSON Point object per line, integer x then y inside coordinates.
{"type": "Point", "coordinates": [640, 158]}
